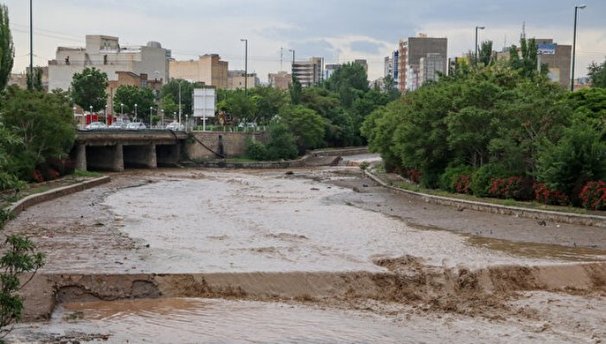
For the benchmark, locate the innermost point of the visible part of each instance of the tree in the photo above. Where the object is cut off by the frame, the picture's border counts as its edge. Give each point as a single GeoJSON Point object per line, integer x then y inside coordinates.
{"type": "Point", "coordinates": [268, 102]}
{"type": "Point", "coordinates": [525, 60]}
{"type": "Point", "coordinates": [43, 122]}
{"type": "Point", "coordinates": [306, 126]}
{"type": "Point", "coordinates": [349, 81]}
{"type": "Point", "coordinates": [187, 90]}
{"type": "Point", "coordinates": [88, 89]}
{"type": "Point", "coordinates": [7, 50]}
{"type": "Point", "coordinates": [485, 55]}
{"type": "Point", "coordinates": [130, 95]}
{"type": "Point", "coordinates": [238, 104]}
{"type": "Point", "coordinates": [597, 73]}
{"type": "Point", "coordinates": [295, 89]}
{"type": "Point", "coordinates": [34, 80]}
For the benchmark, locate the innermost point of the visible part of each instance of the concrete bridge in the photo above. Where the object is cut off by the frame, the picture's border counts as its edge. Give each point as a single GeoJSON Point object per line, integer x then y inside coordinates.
{"type": "Point", "coordinates": [116, 150]}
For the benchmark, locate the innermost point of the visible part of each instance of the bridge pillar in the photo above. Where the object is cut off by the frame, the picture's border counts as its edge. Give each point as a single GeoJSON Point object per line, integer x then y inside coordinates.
{"type": "Point", "coordinates": [80, 157]}
{"type": "Point", "coordinates": [118, 165]}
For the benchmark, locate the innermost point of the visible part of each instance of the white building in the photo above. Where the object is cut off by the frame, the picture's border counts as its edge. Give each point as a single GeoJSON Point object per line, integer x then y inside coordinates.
{"type": "Point", "coordinates": [106, 54]}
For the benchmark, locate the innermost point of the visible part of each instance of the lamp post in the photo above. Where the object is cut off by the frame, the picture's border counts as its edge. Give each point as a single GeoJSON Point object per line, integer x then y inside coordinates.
{"type": "Point", "coordinates": [121, 109]}
{"type": "Point", "coordinates": [150, 116]}
{"type": "Point", "coordinates": [30, 86]}
{"type": "Point", "coordinates": [293, 58]}
{"type": "Point", "coordinates": [135, 112]}
{"type": "Point", "coordinates": [161, 118]}
{"type": "Point", "coordinates": [574, 45]}
{"type": "Point", "coordinates": [180, 101]}
{"type": "Point", "coordinates": [476, 55]}
{"type": "Point", "coordinates": [245, 64]}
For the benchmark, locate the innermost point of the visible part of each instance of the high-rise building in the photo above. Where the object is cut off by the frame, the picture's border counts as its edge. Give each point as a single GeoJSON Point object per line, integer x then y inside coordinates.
{"type": "Point", "coordinates": [410, 53]}
{"type": "Point", "coordinates": [106, 54]}
{"type": "Point", "coordinates": [308, 73]}
{"type": "Point", "coordinates": [208, 69]}
{"type": "Point", "coordinates": [362, 63]}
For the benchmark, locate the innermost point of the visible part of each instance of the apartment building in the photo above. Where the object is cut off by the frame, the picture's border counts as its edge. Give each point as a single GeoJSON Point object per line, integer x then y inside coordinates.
{"type": "Point", "coordinates": [236, 80]}
{"type": "Point", "coordinates": [280, 80]}
{"type": "Point", "coordinates": [106, 54]}
{"type": "Point", "coordinates": [208, 69]}
{"type": "Point", "coordinates": [408, 68]}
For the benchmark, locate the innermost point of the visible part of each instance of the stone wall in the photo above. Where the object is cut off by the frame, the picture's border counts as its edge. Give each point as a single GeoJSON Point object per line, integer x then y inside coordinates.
{"type": "Point", "coordinates": [233, 144]}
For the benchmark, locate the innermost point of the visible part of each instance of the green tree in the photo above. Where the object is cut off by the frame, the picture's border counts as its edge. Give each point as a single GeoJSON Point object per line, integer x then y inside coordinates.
{"type": "Point", "coordinates": [238, 104]}
{"type": "Point", "coordinates": [43, 122]}
{"type": "Point", "coordinates": [281, 143]}
{"type": "Point", "coordinates": [7, 50]}
{"type": "Point", "coordinates": [268, 102]}
{"type": "Point", "coordinates": [485, 56]}
{"type": "Point", "coordinates": [187, 91]}
{"type": "Point", "coordinates": [597, 73]}
{"type": "Point", "coordinates": [130, 95]}
{"type": "Point", "coordinates": [306, 126]}
{"type": "Point", "coordinates": [567, 164]}
{"type": "Point", "coordinates": [295, 90]}
{"type": "Point", "coordinates": [34, 80]}
{"type": "Point", "coordinates": [88, 89]}
{"type": "Point", "coordinates": [525, 59]}
{"type": "Point", "coordinates": [349, 81]}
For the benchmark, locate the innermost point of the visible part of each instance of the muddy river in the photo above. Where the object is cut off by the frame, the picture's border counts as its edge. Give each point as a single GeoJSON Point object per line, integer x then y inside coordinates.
{"type": "Point", "coordinates": [310, 256]}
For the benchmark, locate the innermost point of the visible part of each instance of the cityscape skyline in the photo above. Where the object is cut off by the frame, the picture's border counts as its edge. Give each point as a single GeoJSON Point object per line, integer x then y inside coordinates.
{"type": "Point", "coordinates": [362, 30]}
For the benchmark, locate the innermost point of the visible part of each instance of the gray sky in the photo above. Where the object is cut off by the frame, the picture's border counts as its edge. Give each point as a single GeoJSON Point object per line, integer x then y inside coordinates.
{"type": "Point", "coordinates": [339, 31]}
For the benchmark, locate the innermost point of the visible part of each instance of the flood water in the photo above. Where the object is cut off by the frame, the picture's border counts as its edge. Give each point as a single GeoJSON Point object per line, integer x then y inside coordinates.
{"type": "Point", "coordinates": [242, 222]}
{"type": "Point", "coordinates": [230, 222]}
{"type": "Point", "coordinates": [221, 321]}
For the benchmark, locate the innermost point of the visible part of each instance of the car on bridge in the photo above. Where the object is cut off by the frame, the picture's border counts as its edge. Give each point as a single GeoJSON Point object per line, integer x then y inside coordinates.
{"type": "Point", "coordinates": [96, 126]}
{"type": "Point", "coordinates": [175, 126]}
{"type": "Point", "coordinates": [118, 125]}
{"type": "Point", "coordinates": [135, 126]}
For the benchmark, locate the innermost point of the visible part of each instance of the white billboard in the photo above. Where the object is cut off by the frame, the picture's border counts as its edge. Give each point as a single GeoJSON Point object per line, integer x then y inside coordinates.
{"type": "Point", "coordinates": [205, 102]}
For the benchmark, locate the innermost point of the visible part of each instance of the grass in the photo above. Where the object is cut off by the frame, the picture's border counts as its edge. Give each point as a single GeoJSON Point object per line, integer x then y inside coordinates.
{"type": "Point", "coordinates": [81, 173]}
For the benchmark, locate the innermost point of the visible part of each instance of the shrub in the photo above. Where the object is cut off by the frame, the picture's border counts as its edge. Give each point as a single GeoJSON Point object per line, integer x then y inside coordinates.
{"type": "Point", "coordinates": [481, 179]}
{"type": "Point", "coordinates": [453, 179]}
{"type": "Point", "coordinates": [593, 195]}
{"type": "Point", "coordinates": [518, 188]}
{"type": "Point", "coordinates": [281, 143]}
{"type": "Point", "coordinates": [546, 195]}
{"type": "Point", "coordinates": [255, 150]}
{"type": "Point", "coordinates": [413, 175]}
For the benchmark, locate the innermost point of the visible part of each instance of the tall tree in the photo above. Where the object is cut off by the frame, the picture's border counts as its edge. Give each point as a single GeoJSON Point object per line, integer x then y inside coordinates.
{"type": "Point", "coordinates": [89, 89]}
{"type": "Point", "coordinates": [7, 50]}
{"type": "Point", "coordinates": [34, 80]}
{"type": "Point", "coordinates": [187, 91]}
{"type": "Point", "coordinates": [130, 95]}
{"type": "Point", "coordinates": [485, 55]}
{"type": "Point", "coordinates": [597, 73]}
{"type": "Point", "coordinates": [525, 59]}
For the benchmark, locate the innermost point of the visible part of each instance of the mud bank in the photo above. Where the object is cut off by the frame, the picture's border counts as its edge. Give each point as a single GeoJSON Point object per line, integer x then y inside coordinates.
{"type": "Point", "coordinates": [407, 282]}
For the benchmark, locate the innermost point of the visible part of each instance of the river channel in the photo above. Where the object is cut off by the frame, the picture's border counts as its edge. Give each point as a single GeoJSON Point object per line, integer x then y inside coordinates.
{"type": "Point", "coordinates": [253, 228]}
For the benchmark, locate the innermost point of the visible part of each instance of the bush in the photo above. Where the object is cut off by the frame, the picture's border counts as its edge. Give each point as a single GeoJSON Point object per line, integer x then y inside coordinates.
{"type": "Point", "coordinates": [546, 195]}
{"type": "Point", "coordinates": [518, 188]}
{"type": "Point", "coordinates": [255, 150]}
{"type": "Point", "coordinates": [481, 180]}
{"type": "Point", "coordinates": [413, 175]}
{"type": "Point", "coordinates": [281, 143]}
{"type": "Point", "coordinates": [452, 179]}
{"type": "Point", "coordinates": [593, 195]}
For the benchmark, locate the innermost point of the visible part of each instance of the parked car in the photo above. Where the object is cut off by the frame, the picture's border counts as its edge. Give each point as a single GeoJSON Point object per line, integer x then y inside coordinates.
{"type": "Point", "coordinates": [96, 126]}
{"type": "Point", "coordinates": [118, 125]}
{"type": "Point", "coordinates": [135, 126]}
{"type": "Point", "coordinates": [175, 126]}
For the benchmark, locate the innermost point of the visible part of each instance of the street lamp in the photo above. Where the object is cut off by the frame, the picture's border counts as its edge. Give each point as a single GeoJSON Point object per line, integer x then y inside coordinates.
{"type": "Point", "coordinates": [121, 109]}
{"type": "Point", "coordinates": [90, 114]}
{"type": "Point", "coordinates": [135, 112]}
{"type": "Point", "coordinates": [574, 45]}
{"type": "Point", "coordinates": [180, 101]}
{"type": "Point", "coordinates": [476, 56]}
{"type": "Point", "coordinates": [150, 116]}
{"type": "Point", "coordinates": [245, 64]}
{"type": "Point", "coordinates": [293, 58]}
{"type": "Point", "coordinates": [161, 118]}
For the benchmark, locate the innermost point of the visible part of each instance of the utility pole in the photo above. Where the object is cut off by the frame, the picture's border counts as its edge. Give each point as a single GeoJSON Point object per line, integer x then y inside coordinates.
{"type": "Point", "coordinates": [30, 85]}
{"type": "Point", "coordinates": [245, 64]}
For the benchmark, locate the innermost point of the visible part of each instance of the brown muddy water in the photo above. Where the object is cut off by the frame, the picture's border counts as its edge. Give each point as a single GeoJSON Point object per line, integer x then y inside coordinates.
{"type": "Point", "coordinates": [244, 224]}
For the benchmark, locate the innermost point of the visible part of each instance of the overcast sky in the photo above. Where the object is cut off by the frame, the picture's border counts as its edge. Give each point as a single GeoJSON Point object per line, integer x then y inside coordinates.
{"type": "Point", "coordinates": [339, 31]}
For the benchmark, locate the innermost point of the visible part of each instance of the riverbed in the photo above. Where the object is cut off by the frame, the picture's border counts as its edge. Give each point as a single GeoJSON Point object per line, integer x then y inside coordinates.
{"type": "Point", "coordinates": [305, 221]}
